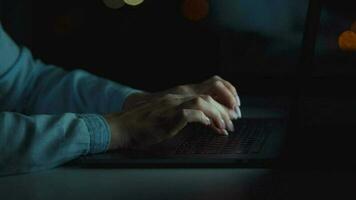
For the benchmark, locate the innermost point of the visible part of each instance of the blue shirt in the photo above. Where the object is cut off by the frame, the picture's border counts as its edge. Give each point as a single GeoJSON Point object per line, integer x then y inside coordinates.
{"type": "Point", "coordinates": [49, 116]}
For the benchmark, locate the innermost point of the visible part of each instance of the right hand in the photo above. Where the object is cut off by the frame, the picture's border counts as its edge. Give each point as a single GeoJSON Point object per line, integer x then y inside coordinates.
{"type": "Point", "coordinates": [163, 118]}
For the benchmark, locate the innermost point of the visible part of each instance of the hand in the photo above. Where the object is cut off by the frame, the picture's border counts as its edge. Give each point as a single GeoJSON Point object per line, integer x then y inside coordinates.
{"type": "Point", "coordinates": [163, 117]}
{"type": "Point", "coordinates": [219, 89]}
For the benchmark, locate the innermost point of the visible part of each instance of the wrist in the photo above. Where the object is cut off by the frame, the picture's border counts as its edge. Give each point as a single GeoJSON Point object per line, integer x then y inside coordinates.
{"type": "Point", "coordinates": [113, 143]}
{"type": "Point", "coordinates": [135, 99]}
{"type": "Point", "coordinates": [119, 137]}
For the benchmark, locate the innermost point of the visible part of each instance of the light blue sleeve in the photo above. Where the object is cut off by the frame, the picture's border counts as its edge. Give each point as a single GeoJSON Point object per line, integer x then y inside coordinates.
{"type": "Point", "coordinates": [32, 87]}
{"type": "Point", "coordinates": [49, 116]}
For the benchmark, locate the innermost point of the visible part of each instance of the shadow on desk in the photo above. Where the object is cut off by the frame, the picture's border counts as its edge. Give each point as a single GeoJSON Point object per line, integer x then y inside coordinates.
{"type": "Point", "coordinates": [71, 183]}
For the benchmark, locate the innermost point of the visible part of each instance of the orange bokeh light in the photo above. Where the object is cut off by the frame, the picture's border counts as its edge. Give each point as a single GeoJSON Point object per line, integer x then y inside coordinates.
{"type": "Point", "coordinates": [353, 27]}
{"type": "Point", "coordinates": [195, 10]}
{"type": "Point", "coordinates": [347, 41]}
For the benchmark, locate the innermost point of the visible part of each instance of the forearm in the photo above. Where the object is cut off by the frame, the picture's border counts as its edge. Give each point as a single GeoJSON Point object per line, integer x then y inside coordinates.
{"type": "Point", "coordinates": [76, 91]}
{"type": "Point", "coordinates": [29, 86]}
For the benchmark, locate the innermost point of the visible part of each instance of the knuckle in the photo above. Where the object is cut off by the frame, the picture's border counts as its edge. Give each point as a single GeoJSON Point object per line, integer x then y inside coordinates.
{"type": "Point", "coordinates": [185, 114]}
{"type": "Point", "coordinates": [217, 83]}
{"type": "Point", "coordinates": [233, 87]}
{"type": "Point", "coordinates": [216, 77]}
{"type": "Point", "coordinates": [207, 98]}
{"type": "Point", "coordinates": [198, 102]}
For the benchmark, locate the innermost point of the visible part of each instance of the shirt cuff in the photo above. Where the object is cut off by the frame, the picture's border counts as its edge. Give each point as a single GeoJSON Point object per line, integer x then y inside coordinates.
{"type": "Point", "coordinates": [99, 132]}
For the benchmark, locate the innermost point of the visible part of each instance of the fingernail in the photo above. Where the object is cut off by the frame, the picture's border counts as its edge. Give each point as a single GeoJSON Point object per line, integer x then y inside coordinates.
{"type": "Point", "coordinates": [233, 114]}
{"type": "Point", "coordinates": [224, 132]}
{"type": "Point", "coordinates": [238, 100]}
{"type": "Point", "coordinates": [207, 121]}
{"type": "Point", "coordinates": [230, 126]}
{"type": "Point", "coordinates": [221, 124]}
{"type": "Point", "coordinates": [238, 111]}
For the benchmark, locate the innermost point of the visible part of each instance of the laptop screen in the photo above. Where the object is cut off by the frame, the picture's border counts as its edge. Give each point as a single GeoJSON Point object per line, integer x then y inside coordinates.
{"type": "Point", "coordinates": [260, 42]}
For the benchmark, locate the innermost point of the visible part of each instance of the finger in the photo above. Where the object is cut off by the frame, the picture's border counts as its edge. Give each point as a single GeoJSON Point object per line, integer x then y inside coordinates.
{"type": "Point", "coordinates": [229, 86]}
{"type": "Point", "coordinates": [180, 119]}
{"type": "Point", "coordinates": [238, 112]}
{"type": "Point", "coordinates": [223, 95]}
{"type": "Point", "coordinates": [232, 113]}
{"type": "Point", "coordinates": [191, 115]}
{"type": "Point", "coordinates": [233, 91]}
{"type": "Point", "coordinates": [224, 112]}
{"type": "Point", "coordinates": [219, 131]}
{"type": "Point", "coordinates": [198, 103]}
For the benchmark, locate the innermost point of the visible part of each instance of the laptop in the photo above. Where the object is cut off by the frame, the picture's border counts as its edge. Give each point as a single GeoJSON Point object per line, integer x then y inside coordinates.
{"type": "Point", "coordinates": [256, 141]}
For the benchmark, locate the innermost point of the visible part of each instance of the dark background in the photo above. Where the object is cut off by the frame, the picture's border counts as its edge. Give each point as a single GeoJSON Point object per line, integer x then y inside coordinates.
{"type": "Point", "coordinates": [152, 46]}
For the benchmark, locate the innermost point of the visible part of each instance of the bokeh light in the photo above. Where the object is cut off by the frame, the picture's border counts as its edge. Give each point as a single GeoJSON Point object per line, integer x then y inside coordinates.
{"type": "Point", "coordinates": [347, 41]}
{"type": "Point", "coordinates": [114, 4]}
{"type": "Point", "coordinates": [195, 10]}
{"type": "Point", "coordinates": [353, 27]}
{"type": "Point", "coordinates": [133, 2]}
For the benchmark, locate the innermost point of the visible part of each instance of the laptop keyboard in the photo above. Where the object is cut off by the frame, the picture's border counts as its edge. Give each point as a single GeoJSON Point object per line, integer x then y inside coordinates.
{"type": "Point", "coordinates": [248, 137]}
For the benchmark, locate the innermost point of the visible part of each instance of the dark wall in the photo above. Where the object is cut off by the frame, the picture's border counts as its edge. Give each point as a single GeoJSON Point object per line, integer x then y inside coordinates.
{"type": "Point", "coordinates": [150, 46]}
{"type": "Point", "coordinates": [153, 47]}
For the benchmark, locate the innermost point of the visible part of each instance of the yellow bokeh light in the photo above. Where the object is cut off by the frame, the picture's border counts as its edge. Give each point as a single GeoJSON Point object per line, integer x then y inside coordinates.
{"type": "Point", "coordinates": [195, 10]}
{"type": "Point", "coordinates": [133, 2]}
{"type": "Point", "coordinates": [114, 4]}
{"type": "Point", "coordinates": [347, 41]}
